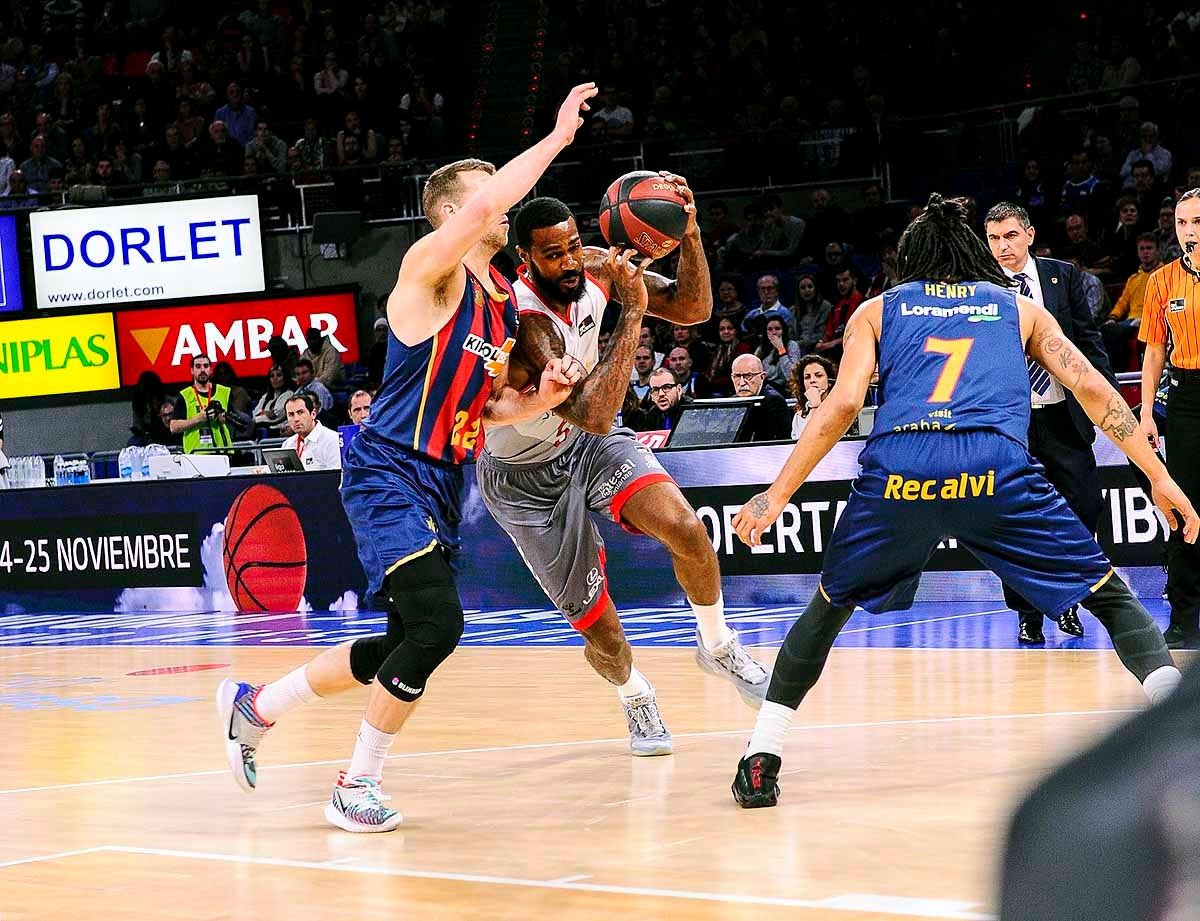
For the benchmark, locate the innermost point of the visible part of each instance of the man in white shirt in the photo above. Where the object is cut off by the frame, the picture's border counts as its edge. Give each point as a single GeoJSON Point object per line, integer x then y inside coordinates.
{"type": "Point", "coordinates": [316, 446]}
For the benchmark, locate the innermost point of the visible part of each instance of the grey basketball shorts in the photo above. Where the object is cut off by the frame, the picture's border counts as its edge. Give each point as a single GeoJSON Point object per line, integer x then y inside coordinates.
{"type": "Point", "coordinates": [545, 509]}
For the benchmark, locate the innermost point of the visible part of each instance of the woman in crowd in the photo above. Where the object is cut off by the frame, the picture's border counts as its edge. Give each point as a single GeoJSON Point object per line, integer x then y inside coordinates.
{"type": "Point", "coordinates": [729, 346]}
{"type": "Point", "coordinates": [728, 305]}
{"type": "Point", "coordinates": [778, 354]}
{"type": "Point", "coordinates": [271, 410]}
{"type": "Point", "coordinates": [811, 312]}
{"type": "Point", "coordinates": [811, 381]}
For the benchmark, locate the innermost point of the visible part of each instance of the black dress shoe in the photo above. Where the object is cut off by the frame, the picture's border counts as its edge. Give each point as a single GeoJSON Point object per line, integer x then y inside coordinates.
{"type": "Point", "coordinates": [1030, 635]}
{"type": "Point", "coordinates": [1068, 621]}
{"type": "Point", "coordinates": [1178, 638]}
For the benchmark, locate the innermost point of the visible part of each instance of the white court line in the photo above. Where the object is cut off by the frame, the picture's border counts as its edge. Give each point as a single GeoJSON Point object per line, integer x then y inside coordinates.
{"type": "Point", "coordinates": [876, 904]}
{"type": "Point", "coordinates": [624, 740]}
{"type": "Point", "coordinates": [915, 623]}
{"type": "Point", "coordinates": [59, 856]}
{"type": "Point", "coordinates": [570, 879]}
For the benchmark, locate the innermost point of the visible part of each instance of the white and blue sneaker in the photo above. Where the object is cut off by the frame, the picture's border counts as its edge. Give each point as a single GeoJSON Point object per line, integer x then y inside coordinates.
{"type": "Point", "coordinates": [357, 805]}
{"type": "Point", "coordinates": [731, 662]}
{"type": "Point", "coordinates": [242, 729]}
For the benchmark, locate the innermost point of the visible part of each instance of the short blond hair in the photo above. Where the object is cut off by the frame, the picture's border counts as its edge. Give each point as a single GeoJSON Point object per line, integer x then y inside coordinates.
{"type": "Point", "coordinates": [443, 185]}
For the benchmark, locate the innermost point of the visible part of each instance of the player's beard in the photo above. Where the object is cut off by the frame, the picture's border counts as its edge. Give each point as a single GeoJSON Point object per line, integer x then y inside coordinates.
{"type": "Point", "coordinates": [553, 291]}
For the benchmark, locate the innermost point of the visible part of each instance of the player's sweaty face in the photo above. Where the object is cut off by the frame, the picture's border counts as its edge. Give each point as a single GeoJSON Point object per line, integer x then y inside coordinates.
{"type": "Point", "coordinates": [556, 259]}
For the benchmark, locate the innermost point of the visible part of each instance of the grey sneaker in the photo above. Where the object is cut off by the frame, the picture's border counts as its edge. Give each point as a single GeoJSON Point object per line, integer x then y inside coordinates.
{"type": "Point", "coordinates": [647, 733]}
{"type": "Point", "coordinates": [242, 730]}
{"type": "Point", "coordinates": [731, 662]}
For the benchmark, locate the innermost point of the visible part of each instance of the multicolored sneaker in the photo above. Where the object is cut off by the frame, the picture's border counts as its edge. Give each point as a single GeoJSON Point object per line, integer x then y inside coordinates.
{"type": "Point", "coordinates": [648, 736]}
{"type": "Point", "coordinates": [756, 783]}
{"type": "Point", "coordinates": [731, 662]}
{"type": "Point", "coordinates": [357, 806]}
{"type": "Point", "coordinates": [242, 729]}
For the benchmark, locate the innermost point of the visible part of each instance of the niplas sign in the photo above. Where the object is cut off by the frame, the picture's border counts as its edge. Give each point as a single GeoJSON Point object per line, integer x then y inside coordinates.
{"type": "Point", "coordinates": [149, 252]}
{"type": "Point", "coordinates": [165, 340]}
{"type": "Point", "coordinates": [58, 355]}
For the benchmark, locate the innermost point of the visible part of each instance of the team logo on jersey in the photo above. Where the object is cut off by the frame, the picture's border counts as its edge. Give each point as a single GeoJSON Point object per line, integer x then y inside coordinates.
{"type": "Point", "coordinates": [1177, 304]}
{"type": "Point", "coordinates": [495, 357]}
{"type": "Point", "coordinates": [975, 313]}
{"type": "Point", "coordinates": [588, 323]}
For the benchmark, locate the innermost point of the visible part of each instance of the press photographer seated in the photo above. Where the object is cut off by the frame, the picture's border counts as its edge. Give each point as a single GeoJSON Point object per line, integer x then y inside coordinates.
{"type": "Point", "coordinates": [202, 414]}
{"type": "Point", "coordinates": [316, 446]}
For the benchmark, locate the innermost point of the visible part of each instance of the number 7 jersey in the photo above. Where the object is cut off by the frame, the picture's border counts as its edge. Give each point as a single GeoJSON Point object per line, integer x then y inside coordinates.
{"type": "Point", "coordinates": [951, 359]}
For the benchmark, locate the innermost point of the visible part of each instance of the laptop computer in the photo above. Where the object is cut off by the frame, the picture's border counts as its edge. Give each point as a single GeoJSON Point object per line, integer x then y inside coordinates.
{"type": "Point", "coordinates": [282, 460]}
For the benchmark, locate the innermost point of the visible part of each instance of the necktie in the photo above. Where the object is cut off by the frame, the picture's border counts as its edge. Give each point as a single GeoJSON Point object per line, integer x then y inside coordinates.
{"type": "Point", "coordinates": [1039, 377]}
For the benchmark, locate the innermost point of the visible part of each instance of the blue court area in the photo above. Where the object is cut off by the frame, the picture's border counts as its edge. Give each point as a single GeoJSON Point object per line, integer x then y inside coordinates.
{"type": "Point", "coordinates": [930, 625]}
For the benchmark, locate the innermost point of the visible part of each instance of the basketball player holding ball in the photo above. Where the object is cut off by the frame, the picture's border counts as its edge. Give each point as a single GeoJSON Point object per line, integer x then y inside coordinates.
{"type": "Point", "coordinates": [453, 322]}
{"type": "Point", "coordinates": [541, 479]}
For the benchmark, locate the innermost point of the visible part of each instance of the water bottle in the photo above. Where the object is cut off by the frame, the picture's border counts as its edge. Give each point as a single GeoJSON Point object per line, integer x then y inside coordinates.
{"type": "Point", "coordinates": [60, 470]}
{"type": "Point", "coordinates": [125, 463]}
{"type": "Point", "coordinates": [83, 468]}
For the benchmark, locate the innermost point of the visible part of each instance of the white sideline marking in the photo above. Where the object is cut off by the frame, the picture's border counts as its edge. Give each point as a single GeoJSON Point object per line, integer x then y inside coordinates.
{"type": "Point", "coordinates": [623, 740]}
{"type": "Point", "coordinates": [875, 904]}
{"type": "Point", "coordinates": [59, 856]}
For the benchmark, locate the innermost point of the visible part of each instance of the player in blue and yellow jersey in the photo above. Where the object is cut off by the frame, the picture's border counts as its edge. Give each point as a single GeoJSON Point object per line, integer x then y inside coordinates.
{"type": "Point", "coordinates": [948, 458]}
{"type": "Point", "coordinates": [453, 322]}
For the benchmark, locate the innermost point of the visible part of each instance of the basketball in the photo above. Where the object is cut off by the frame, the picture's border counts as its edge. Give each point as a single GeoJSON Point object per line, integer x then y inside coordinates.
{"type": "Point", "coordinates": [643, 211]}
{"type": "Point", "coordinates": [265, 559]}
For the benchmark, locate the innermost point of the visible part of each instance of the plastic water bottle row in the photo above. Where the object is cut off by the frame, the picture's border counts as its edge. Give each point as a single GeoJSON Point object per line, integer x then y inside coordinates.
{"type": "Point", "coordinates": [72, 470]}
{"type": "Point", "coordinates": [134, 462]}
{"type": "Point", "coordinates": [26, 473]}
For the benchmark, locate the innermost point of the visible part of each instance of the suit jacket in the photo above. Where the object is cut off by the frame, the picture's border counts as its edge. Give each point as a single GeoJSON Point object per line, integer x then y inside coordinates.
{"type": "Point", "coordinates": [771, 420]}
{"type": "Point", "coordinates": [1065, 296]}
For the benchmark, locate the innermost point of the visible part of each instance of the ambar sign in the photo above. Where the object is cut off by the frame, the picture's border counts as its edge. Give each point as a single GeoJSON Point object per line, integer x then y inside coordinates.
{"type": "Point", "coordinates": [165, 341]}
{"type": "Point", "coordinates": [58, 355]}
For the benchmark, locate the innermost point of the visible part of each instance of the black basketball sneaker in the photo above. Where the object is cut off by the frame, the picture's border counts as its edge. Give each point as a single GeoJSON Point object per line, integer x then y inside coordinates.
{"type": "Point", "coordinates": [756, 783]}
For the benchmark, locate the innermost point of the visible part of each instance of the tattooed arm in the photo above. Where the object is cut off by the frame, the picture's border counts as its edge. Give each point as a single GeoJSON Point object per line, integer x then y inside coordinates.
{"type": "Point", "coordinates": [827, 424]}
{"type": "Point", "coordinates": [1105, 407]}
{"type": "Point", "coordinates": [594, 403]}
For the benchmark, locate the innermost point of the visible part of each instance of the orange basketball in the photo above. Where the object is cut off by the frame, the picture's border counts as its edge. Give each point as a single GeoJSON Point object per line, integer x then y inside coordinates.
{"type": "Point", "coordinates": [643, 211]}
{"type": "Point", "coordinates": [266, 563]}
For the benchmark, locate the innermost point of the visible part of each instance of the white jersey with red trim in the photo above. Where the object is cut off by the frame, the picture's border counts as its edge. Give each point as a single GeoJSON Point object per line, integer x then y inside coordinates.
{"type": "Point", "coordinates": [549, 435]}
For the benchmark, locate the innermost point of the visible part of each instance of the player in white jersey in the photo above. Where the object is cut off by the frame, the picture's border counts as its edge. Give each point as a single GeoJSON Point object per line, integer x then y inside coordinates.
{"type": "Point", "coordinates": [541, 479]}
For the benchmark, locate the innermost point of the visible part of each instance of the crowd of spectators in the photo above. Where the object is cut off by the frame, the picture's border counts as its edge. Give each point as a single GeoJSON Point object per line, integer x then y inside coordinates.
{"type": "Point", "coordinates": [113, 95]}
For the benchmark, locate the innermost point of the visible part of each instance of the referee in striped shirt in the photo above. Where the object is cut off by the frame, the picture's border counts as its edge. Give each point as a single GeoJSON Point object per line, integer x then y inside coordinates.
{"type": "Point", "coordinates": [1172, 314]}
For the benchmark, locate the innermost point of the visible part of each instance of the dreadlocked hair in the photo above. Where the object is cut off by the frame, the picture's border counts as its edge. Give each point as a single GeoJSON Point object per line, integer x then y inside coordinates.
{"type": "Point", "coordinates": [939, 246]}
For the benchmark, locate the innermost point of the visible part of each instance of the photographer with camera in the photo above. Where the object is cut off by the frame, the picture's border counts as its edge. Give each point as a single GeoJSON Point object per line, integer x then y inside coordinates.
{"type": "Point", "coordinates": [201, 412]}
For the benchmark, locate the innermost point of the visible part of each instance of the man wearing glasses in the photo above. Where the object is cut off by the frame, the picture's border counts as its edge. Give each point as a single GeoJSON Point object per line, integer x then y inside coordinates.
{"type": "Point", "coordinates": [770, 420]}
{"type": "Point", "coordinates": [666, 393]}
{"type": "Point", "coordinates": [769, 307]}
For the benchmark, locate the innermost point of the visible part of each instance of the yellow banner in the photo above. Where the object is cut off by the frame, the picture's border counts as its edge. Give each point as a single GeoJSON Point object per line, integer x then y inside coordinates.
{"type": "Point", "coordinates": [58, 355]}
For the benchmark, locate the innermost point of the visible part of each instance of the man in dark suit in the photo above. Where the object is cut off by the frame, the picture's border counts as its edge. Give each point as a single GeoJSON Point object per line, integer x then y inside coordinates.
{"type": "Point", "coordinates": [771, 419]}
{"type": "Point", "coordinates": [1060, 433]}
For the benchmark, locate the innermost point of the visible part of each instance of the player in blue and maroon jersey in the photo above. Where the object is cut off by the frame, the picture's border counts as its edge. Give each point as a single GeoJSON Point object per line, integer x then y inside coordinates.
{"type": "Point", "coordinates": [949, 457]}
{"type": "Point", "coordinates": [453, 322]}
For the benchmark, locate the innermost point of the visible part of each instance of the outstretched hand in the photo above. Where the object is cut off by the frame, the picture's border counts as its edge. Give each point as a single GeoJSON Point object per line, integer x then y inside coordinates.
{"type": "Point", "coordinates": [569, 119]}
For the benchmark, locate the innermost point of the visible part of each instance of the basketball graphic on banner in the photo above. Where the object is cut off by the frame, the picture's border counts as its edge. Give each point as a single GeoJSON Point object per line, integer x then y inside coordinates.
{"type": "Point", "coordinates": [266, 563]}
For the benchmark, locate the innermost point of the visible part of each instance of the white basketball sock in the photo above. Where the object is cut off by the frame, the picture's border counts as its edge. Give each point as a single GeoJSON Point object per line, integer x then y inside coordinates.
{"type": "Point", "coordinates": [637, 686]}
{"type": "Point", "coordinates": [710, 618]}
{"type": "Point", "coordinates": [773, 723]}
{"type": "Point", "coordinates": [289, 692]}
{"type": "Point", "coordinates": [370, 751]}
{"type": "Point", "coordinates": [1161, 683]}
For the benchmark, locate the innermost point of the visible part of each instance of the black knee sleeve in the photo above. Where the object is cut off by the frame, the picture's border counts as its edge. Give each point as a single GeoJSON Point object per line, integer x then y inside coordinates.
{"type": "Point", "coordinates": [804, 651]}
{"type": "Point", "coordinates": [368, 654]}
{"type": "Point", "coordinates": [432, 616]}
{"type": "Point", "coordinates": [1135, 635]}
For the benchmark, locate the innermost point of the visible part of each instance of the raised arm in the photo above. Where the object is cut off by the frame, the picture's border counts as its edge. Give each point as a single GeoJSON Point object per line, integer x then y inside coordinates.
{"type": "Point", "coordinates": [686, 300]}
{"type": "Point", "coordinates": [594, 403]}
{"type": "Point", "coordinates": [828, 423]}
{"type": "Point", "coordinates": [1106, 408]}
{"type": "Point", "coordinates": [438, 254]}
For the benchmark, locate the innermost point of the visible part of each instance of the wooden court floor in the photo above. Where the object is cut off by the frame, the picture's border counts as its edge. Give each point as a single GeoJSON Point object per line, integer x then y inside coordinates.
{"type": "Point", "coordinates": [520, 797]}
